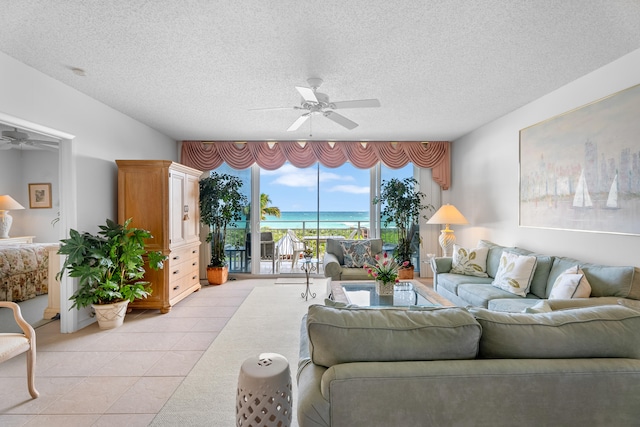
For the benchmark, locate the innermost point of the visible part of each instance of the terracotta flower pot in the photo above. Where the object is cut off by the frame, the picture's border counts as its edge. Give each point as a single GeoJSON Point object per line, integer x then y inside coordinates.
{"type": "Point", "coordinates": [217, 275]}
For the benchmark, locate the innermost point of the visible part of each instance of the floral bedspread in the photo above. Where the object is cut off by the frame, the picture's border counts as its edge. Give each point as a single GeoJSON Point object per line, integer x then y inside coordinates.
{"type": "Point", "coordinates": [23, 271]}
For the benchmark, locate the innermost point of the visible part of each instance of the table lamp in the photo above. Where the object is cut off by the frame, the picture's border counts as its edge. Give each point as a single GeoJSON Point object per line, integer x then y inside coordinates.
{"type": "Point", "coordinates": [7, 203]}
{"type": "Point", "coordinates": [447, 214]}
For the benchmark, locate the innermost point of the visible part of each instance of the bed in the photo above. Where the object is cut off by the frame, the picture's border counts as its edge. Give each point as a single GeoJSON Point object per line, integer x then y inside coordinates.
{"type": "Point", "coordinates": [28, 270]}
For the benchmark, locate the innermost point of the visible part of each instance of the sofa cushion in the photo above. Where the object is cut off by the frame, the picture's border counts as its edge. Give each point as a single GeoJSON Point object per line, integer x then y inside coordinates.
{"type": "Point", "coordinates": [451, 282]}
{"type": "Point", "coordinates": [603, 331]}
{"type": "Point", "coordinates": [605, 281]}
{"type": "Point", "coordinates": [515, 273]}
{"type": "Point", "coordinates": [356, 253]}
{"type": "Point", "coordinates": [481, 294]}
{"type": "Point", "coordinates": [344, 335]}
{"type": "Point", "coordinates": [470, 262]}
{"type": "Point", "coordinates": [514, 304]}
{"type": "Point", "coordinates": [572, 283]}
{"type": "Point", "coordinates": [353, 274]}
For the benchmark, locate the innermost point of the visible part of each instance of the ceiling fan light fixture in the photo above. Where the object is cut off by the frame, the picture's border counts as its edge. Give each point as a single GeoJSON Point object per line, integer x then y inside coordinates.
{"type": "Point", "coordinates": [314, 82]}
{"type": "Point", "coordinates": [314, 102]}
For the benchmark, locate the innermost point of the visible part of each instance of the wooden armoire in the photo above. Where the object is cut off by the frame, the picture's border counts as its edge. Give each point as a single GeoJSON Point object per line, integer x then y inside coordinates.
{"type": "Point", "coordinates": [163, 197]}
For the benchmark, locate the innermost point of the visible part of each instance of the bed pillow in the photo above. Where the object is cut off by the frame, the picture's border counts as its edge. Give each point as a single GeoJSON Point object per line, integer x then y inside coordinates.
{"type": "Point", "coordinates": [470, 262]}
{"type": "Point", "coordinates": [515, 273]}
{"type": "Point", "coordinates": [357, 253]}
{"type": "Point", "coordinates": [570, 284]}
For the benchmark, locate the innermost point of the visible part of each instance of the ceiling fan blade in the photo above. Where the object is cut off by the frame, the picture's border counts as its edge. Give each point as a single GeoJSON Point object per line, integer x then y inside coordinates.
{"type": "Point", "coordinates": [42, 145]}
{"type": "Point", "coordinates": [361, 103]}
{"type": "Point", "coordinates": [45, 145]}
{"type": "Point", "coordinates": [341, 120]}
{"type": "Point", "coordinates": [274, 108]}
{"type": "Point", "coordinates": [42, 142]}
{"type": "Point", "coordinates": [307, 94]}
{"type": "Point", "coordinates": [299, 121]}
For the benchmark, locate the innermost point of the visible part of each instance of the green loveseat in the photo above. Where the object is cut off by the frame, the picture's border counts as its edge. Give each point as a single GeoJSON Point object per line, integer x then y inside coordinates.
{"type": "Point", "coordinates": [334, 259]}
{"type": "Point", "coordinates": [458, 367]}
{"type": "Point", "coordinates": [608, 283]}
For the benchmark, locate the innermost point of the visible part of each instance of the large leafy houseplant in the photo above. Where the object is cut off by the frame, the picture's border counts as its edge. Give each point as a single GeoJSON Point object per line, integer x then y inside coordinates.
{"type": "Point", "coordinates": [109, 265]}
{"type": "Point", "coordinates": [402, 206]}
{"type": "Point", "coordinates": [221, 204]}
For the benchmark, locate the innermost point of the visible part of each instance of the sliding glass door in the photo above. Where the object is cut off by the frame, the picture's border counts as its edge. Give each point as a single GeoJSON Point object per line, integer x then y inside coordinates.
{"type": "Point", "coordinates": [310, 205]}
{"type": "Point", "coordinates": [303, 207]}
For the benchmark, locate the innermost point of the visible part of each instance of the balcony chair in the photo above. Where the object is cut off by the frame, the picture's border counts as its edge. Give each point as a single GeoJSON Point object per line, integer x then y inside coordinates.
{"type": "Point", "coordinates": [289, 245]}
{"type": "Point", "coordinates": [13, 344]}
{"type": "Point", "coordinates": [267, 248]}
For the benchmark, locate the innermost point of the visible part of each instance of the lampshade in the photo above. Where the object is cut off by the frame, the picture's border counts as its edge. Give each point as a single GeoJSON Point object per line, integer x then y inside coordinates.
{"type": "Point", "coordinates": [7, 203]}
{"type": "Point", "coordinates": [448, 214]}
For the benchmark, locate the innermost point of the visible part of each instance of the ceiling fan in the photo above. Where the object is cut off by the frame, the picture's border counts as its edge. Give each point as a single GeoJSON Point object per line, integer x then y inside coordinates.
{"type": "Point", "coordinates": [16, 139]}
{"type": "Point", "coordinates": [317, 103]}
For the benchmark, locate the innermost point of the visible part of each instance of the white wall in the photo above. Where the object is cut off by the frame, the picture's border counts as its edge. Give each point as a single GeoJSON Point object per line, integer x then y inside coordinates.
{"type": "Point", "coordinates": [102, 136]}
{"type": "Point", "coordinates": [18, 168]}
{"type": "Point", "coordinates": [485, 175]}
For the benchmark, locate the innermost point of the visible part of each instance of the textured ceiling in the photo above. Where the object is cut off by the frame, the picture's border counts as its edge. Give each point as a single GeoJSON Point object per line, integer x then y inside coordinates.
{"type": "Point", "coordinates": [194, 69]}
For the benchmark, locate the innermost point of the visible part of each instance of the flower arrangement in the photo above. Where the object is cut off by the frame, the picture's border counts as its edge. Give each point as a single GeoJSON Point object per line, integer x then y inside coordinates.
{"type": "Point", "coordinates": [308, 252]}
{"type": "Point", "coordinates": [385, 269]}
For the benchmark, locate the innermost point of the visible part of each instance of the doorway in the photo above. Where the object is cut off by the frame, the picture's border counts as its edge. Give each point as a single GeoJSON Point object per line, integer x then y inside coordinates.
{"type": "Point", "coordinates": [68, 212]}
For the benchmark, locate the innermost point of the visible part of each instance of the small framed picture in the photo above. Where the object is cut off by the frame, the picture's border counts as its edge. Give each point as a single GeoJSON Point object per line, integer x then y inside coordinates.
{"type": "Point", "coordinates": [39, 196]}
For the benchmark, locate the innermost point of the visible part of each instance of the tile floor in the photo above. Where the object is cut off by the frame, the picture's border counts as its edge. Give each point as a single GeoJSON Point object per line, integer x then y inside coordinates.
{"type": "Point", "coordinates": [119, 377]}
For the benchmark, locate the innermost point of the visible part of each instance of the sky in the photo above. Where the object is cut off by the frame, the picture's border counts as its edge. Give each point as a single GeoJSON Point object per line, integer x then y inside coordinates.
{"type": "Point", "coordinates": [342, 189]}
{"type": "Point", "coordinates": [345, 188]}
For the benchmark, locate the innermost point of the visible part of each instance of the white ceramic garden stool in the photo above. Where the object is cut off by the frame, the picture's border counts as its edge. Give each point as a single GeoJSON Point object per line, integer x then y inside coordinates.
{"type": "Point", "coordinates": [264, 396]}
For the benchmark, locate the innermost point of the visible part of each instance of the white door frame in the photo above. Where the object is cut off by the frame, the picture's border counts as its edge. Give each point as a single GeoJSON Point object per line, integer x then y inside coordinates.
{"type": "Point", "coordinates": [68, 203]}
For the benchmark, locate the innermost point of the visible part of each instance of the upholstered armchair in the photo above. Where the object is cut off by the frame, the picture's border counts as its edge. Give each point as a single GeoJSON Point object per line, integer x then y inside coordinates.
{"type": "Point", "coordinates": [13, 344]}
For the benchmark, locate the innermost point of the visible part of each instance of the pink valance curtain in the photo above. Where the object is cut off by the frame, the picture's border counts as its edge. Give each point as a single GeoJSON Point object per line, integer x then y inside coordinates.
{"type": "Point", "coordinates": [272, 155]}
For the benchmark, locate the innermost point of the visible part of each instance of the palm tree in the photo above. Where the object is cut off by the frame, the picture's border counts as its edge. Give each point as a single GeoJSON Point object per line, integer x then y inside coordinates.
{"type": "Point", "coordinates": [267, 210]}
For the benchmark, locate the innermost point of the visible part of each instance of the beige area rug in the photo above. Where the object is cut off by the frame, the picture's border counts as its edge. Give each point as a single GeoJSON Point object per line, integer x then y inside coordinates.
{"type": "Point", "coordinates": [268, 321]}
{"type": "Point", "coordinates": [293, 280]}
{"type": "Point", "coordinates": [320, 282]}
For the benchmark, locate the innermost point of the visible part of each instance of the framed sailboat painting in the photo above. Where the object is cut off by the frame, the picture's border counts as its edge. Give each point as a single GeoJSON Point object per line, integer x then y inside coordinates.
{"type": "Point", "coordinates": [581, 170]}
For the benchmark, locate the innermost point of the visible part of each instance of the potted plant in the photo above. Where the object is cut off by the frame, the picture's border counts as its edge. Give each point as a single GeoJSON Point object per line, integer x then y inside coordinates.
{"type": "Point", "coordinates": [385, 272]}
{"type": "Point", "coordinates": [401, 206]}
{"type": "Point", "coordinates": [110, 268]}
{"type": "Point", "coordinates": [221, 204]}
{"type": "Point", "coordinates": [307, 253]}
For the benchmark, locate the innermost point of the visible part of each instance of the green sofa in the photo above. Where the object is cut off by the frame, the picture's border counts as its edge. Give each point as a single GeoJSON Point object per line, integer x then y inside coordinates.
{"type": "Point", "coordinates": [334, 263]}
{"type": "Point", "coordinates": [459, 367]}
{"type": "Point", "coordinates": [608, 283]}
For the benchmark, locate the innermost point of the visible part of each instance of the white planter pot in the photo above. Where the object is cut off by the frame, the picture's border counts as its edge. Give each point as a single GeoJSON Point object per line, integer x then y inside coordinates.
{"type": "Point", "coordinates": [384, 288]}
{"type": "Point", "coordinates": [110, 315]}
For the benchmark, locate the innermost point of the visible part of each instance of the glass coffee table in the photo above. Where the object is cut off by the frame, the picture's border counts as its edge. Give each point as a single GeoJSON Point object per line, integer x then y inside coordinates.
{"type": "Point", "coordinates": [406, 293]}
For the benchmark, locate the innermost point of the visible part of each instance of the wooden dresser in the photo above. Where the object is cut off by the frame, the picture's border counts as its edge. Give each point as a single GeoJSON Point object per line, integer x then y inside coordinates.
{"type": "Point", "coordinates": [163, 197]}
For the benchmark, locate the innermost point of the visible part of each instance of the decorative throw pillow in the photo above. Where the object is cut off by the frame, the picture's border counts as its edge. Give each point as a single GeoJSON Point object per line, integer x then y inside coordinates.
{"type": "Point", "coordinates": [570, 284]}
{"type": "Point", "coordinates": [357, 253]}
{"type": "Point", "coordinates": [515, 273]}
{"type": "Point", "coordinates": [470, 262]}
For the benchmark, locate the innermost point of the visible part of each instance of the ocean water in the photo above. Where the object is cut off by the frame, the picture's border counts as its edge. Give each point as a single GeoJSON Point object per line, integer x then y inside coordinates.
{"type": "Point", "coordinates": [309, 220]}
